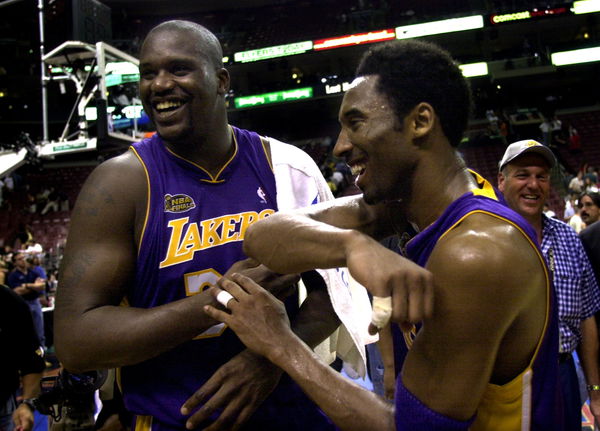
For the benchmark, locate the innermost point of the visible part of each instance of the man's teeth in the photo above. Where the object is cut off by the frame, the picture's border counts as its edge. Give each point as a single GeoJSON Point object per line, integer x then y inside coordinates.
{"type": "Point", "coordinates": [530, 196]}
{"type": "Point", "coordinates": [357, 169]}
{"type": "Point", "coordinates": [167, 105]}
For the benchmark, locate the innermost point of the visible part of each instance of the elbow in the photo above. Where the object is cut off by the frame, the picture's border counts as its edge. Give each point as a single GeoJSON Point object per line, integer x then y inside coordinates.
{"type": "Point", "coordinates": [249, 240]}
{"type": "Point", "coordinates": [68, 353]}
{"type": "Point", "coordinates": [68, 358]}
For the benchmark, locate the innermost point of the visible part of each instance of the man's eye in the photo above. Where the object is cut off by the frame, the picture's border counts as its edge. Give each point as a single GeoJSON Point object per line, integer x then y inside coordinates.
{"type": "Point", "coordinates": [180, 70]}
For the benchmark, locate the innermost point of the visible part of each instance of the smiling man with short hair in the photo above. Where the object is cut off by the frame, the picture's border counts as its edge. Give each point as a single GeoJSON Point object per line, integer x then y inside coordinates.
{"type": "Point", "coordinates": [524, 179]}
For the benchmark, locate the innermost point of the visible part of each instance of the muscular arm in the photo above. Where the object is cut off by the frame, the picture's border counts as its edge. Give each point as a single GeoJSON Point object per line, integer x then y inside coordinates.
{"type": "Point", "coordinates": [488, 320]}
{"type": "Point", "coordinates": [316, 236]}
{"type": "Point", "coordinates": [486, 328]}
{"type": "Point", "coordinates": [341, 233]}
{"type": "Point", "coordinates": [316, 319]}
{"type": "Point", "coordinates": [92, 330]}
{"type": "Point", "coordinates": [588, 353]}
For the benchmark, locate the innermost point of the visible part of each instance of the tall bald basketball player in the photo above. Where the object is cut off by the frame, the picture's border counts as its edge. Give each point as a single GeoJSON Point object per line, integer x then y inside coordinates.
{"type": "Point", "coordinates": [156, 226]}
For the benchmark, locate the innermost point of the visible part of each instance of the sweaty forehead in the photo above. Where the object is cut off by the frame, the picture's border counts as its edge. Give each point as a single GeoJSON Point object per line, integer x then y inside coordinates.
{"type": "Point", "coordinates": [174, 42]}
{"type": "Point", "coordinates": [363, 96]}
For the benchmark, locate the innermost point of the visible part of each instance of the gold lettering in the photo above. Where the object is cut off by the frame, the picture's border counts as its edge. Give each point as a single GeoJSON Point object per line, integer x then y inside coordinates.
{"type": "Point", "coordinates": [176, 226]}
{"type": "Point", "coordinates": [210, 236]}
{"type": "Point", "coordinates": [191, 243]}
{"type": "Point", "coordinates": [247, 219]}
{"type": "Point", "coordinates": [229, 228]}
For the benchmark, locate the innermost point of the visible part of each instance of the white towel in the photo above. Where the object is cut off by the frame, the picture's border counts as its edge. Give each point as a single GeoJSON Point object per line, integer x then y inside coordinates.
{"type": "Point", "coordinates": [299, 184]}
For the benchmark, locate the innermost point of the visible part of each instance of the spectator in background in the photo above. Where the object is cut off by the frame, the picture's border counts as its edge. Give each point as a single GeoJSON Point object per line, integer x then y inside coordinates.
{"type": "Point", "coordinates": [576, 183]}
{"type": "Point", "coordinates": [524, 179]}
{"type": "Point", "coordinates": [591, 174]}
{"type": "Point", "coordinates": [574, 143]}
{"type": "Point", "coordinates": [575, 221]}
{"type": "Point", "coordinates": [28, 284]}
{"type": "Point", "coordinates": [22, 360]}
{"type": "Point", "coordinates": [589, 186]}
{"type": "Point", "coordinates": [548, 211]}
{"type": "Point", "coordinates": [589, 202]}
{"type": "Point", "coordinates": [51, 201]}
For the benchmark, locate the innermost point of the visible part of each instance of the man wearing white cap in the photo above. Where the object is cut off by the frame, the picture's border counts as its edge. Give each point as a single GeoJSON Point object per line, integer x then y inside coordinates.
{"type": "Point", "coordinates": [524, 179]}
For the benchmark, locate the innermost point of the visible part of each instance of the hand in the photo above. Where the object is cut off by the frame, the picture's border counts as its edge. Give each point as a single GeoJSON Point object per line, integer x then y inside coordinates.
{"type": "Point", "coordinates": [23, 418]}
{"type": "Point", "coordinates": [21, 290]}
{"type": "Point", "coordinates": [385, 273]}
{"type": "Point", "coordinates": [238, 388]}
{"type": "Point", "coordinates": [257, 317]}
{"type": "Point", "coordinates": [279, 285]}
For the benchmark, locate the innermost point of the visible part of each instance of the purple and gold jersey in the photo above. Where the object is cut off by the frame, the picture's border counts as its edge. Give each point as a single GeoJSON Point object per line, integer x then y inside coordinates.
{"type": "Point", "coordinates": [531, 401]}
{"type": "Point", "coordinates": [193, 233]}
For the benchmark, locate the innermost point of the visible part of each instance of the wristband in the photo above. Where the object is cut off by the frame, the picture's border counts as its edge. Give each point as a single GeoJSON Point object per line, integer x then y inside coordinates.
{"type": "Point", "coordinates": [592, 388]}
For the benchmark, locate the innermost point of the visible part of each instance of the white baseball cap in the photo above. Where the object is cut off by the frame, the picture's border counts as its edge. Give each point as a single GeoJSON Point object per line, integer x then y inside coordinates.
{"type": "Point", "coordinates": [526, 146]}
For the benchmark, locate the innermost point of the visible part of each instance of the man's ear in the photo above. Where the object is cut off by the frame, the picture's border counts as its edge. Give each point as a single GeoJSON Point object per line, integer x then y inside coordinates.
{"type": "Point", "coordinates": [501, 182]}
{"type": "Point", "coordinates": [423, 119]}
{"type": "Point", "coordinates": [224, 80]}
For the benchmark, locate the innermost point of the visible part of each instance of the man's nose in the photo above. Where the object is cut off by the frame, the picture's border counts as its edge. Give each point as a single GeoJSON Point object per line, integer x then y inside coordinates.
{"type": "Point", "coordinates": [342, 145]}
{"type": "Point", "coordinates": [162, 82]}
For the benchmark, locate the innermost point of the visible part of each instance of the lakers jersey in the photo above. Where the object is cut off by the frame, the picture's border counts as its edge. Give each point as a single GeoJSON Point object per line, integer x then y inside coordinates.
{"type": "Point", "coordinates": [531, 401]}
{"type": "Point", "coordinates": [193, 232]}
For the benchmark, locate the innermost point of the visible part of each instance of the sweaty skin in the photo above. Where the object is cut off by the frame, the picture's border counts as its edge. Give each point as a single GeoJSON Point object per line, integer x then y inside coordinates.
{"type": "Point", "coordinates": [182, 87]}
{"type": "Point", "coordinates": [483, 323]}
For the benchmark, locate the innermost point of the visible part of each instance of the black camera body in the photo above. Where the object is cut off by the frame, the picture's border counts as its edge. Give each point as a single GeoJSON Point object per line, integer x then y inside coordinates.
{"type": "Point", "coordinates": [70, 398]}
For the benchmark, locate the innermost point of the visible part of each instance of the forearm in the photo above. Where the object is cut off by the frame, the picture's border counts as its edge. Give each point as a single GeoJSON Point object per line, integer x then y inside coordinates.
{"type": "Point", "coordinates": [31, 385]}
{"type": "Point", "coordinates": [112, 336]}
{"type": "Point", "coordinates": [36, 286]}
{"type": "Point", "coordinates": [348, 405]}
{"type": "Point", "coordinates": [588, 351]}
{"type": "Point", "coordinates": [316, 319]}
{"type": "Point", "coordinates": [289, 243]}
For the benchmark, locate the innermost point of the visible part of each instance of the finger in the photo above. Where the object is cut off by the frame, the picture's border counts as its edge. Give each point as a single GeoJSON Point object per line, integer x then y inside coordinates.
{"type": "Point", "coordinates": [382, 311]}
{"type": "Point", "coordinates": [416, 300]}
{"type": "Point", "coordinates": [223, 298]}
{"type": "Point", "coordinates": [399, 302]}
{"type": "Point", "coordinates": [203, 414]}
{"type": "Point", "coordinates": [243, 417]}
{"type": "Point", "coordinates": [429, 295]}
{"type": "Point", "coordinates": [207, 390]}
{"type": "Point", "coordinates": [217, 314]}
{"type": "Point", "coordinates": [225, 420]}
{"type": "Point", "coordinates": [406, 326]}
{"type": "Point", "coordinates": [232, 286]}
{"type": "Point", "coordinates": [246, 284]}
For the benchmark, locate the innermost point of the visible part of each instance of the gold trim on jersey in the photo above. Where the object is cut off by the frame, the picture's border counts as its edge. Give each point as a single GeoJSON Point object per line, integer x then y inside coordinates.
{"type": "Point", "coordinates": [143, 423]}
{"type": "Point", "coordinates": [147, 198]}
{"type": "Point", "coordinates": [268, 152]}
{"type": "Point", "coordinates": [508, 406]}
{"type": "Point", "coordinates": [485, 187]}
{"type": "Point", "coordinates": [213, 179]}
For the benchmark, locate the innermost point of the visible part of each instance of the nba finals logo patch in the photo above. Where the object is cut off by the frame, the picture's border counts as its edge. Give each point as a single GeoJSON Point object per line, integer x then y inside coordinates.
{"type": "Point", "coordinates": [178, 203]}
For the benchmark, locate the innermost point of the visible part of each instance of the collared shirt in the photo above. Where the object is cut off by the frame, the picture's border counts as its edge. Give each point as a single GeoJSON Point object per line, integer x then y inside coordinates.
{"type": "Point", "coordinates": [574, 282]}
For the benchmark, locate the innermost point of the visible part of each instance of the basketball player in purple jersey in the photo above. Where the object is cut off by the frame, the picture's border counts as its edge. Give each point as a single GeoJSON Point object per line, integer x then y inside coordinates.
{"type": "Point", "coordinates": [154, 229]}
{"type": "Point", "coordinates": [485, 358]}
